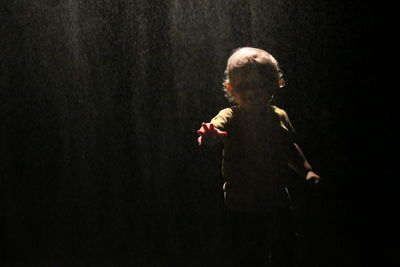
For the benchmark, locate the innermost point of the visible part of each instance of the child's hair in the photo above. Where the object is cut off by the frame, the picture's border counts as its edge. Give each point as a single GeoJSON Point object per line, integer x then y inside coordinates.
{"type": "Point", "coordinates": [251, 68]}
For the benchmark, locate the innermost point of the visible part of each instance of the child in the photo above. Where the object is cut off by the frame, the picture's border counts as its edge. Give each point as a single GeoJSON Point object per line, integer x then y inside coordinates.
{"type": "Point", "coordinates": [258, 149]}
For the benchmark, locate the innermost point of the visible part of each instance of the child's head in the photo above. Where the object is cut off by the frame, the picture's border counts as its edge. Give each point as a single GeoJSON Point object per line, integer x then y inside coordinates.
{"type": "Point", "coordinates": [252, 77]}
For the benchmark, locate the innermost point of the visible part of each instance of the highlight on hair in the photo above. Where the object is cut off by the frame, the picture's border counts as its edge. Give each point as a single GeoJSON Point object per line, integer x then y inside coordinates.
{"type": "Point", "coordinates": [251, 68]}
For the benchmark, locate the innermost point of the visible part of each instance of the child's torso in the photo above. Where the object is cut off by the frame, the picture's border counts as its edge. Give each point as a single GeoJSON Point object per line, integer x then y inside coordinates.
{"type": "Point", "coordinates": [255, 159]}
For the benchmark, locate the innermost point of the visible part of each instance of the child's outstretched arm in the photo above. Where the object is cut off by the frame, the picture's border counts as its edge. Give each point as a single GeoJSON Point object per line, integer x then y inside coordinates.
{"type": "Point", "coordinates": [300, 165]}
{"type": "Point", "coordinates": [209, 135]}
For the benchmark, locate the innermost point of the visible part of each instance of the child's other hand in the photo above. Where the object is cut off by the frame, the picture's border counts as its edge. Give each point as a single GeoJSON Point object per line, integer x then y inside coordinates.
{"type": "Point", "coordinates": [313, 177]}
{"type": "Point", "coordinates": [209, 134]}
{"type": "Point", "coordinates": [313, 181]}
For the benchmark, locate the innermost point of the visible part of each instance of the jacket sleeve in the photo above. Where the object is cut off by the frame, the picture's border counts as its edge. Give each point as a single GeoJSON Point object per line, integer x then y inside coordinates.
{"type": "Point", "coordinates": [223, 119]}
{"type": "Point", "coordinates": [285, 123]}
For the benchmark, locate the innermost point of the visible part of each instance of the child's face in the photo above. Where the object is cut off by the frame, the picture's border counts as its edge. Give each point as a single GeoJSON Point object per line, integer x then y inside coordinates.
{"type": "Point", "coordinates": [252, 77]}
{"type": "Point", "coordinates": [254, 99]}
{"type": "Point", "coordinates": [249, 99]}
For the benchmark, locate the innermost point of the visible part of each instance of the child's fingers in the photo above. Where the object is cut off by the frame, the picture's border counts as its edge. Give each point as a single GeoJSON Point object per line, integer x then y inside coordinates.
{"type": "Point", "coordinates": [211, 129]}
{"type": "Point", "coordinates": [205, 127]}
{"type": "Point", "coordinates": [199, 140]}
{"type": "Point", "coordinates": [222, 133]}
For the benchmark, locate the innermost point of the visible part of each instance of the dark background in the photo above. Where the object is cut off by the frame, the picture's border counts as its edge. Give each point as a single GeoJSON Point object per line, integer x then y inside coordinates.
{"type": "Point", "coordinates": [101, 100]}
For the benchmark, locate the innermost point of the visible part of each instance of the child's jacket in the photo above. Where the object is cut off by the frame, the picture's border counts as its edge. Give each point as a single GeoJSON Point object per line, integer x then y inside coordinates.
{"type": "Point", "coordinates": [255, 157]}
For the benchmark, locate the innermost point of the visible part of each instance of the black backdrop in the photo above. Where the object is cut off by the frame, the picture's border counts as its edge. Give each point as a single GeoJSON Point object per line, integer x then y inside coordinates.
{"type": "Point", "coordinates": [101, 101]}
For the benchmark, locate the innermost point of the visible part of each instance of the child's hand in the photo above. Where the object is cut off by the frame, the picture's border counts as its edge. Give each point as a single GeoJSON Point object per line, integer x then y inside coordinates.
{"type": "Point", "coordinates": [313, 181]}
{"type": "Point", "coordinates": [313, 177]}
{"type": "Point", "coordinates": [209, 134]}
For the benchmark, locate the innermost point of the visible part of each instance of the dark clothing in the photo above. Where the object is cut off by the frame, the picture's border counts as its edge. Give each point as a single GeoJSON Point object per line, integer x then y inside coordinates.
{"type": "Point", "coordinates": [255, 157]}
{"type": "Point", "coordinates": [255, 169]}
{"type": "Point", "coordinates": [261, 239]}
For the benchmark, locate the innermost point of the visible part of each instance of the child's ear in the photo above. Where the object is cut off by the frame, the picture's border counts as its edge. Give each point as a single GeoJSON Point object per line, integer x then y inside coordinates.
{"type": "Point", "coordinates": [228, 87]}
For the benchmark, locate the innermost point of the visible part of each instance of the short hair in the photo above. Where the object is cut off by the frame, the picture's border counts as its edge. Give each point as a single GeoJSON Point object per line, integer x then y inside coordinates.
{"type": "Point", "coordinates": [250, 68]}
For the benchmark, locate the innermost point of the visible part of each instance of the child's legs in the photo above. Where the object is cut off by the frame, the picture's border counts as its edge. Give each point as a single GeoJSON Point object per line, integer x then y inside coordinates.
{"type": "Point", "coordinates": [259, 239]}
{"type": "Point", "coordinates": [282, 238]}
{"type": "Point", "coordinates": [249, 239]}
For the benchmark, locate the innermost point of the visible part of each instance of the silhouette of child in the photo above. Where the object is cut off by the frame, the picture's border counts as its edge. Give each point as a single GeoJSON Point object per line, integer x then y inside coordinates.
{"type": "Point", "coordinates": [259, 152]}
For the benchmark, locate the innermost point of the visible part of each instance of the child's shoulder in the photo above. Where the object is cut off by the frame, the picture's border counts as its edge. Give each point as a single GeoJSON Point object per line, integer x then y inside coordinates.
{"type": "Point", "coordinates": [279, 111]}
